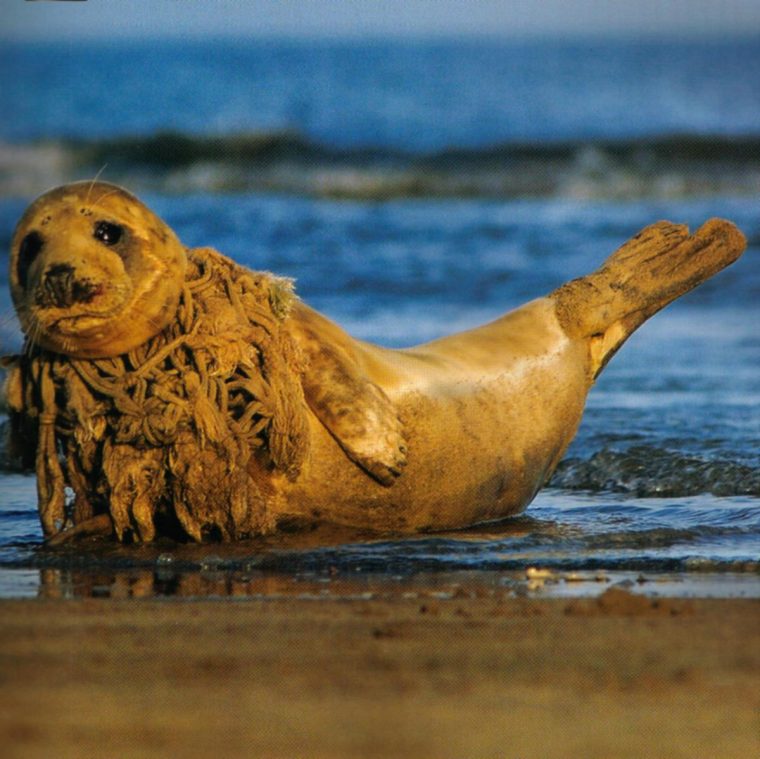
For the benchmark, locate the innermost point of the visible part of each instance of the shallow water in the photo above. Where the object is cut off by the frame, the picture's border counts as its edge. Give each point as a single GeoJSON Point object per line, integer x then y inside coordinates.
{"type": "Point", "coordinates": [663, 479]}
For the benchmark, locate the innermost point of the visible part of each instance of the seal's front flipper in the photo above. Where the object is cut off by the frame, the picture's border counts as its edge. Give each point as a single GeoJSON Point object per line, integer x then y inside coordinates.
{"type": "Point", "coordinates": [356, 412]}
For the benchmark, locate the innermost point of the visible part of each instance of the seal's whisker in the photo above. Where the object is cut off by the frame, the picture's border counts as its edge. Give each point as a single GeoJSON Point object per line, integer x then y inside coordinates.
{"type": "Point", "coordinates": [66, 345]}
{"type": "Point", "coordinates": [156, 323]}
{"type": "Point", "coordinates": [103, 197]}
{"type": "Point", "coordinates": [35, 330]}
{"type": "Point", "coordinates": [31, 342]}
{"type": "Point", "coordinates": [92, 183]}
{"type": "Point", "coordinates": [8, 316]}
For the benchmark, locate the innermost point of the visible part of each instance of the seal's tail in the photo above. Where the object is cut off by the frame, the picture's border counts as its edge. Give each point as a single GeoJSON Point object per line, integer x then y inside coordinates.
{"type": "Point", "coordinates": [654, 268]}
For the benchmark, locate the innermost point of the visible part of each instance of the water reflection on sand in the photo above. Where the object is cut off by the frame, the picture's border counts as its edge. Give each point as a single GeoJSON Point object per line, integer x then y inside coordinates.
{"type": "Point", "coordinates": [433, 586]}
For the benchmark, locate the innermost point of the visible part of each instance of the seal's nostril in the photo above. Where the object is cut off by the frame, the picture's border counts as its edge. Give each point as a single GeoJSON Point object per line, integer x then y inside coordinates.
{"type": "Point", "coordinates": [59, 270]}
{"type": "Point", "coordinates": [85, 292]}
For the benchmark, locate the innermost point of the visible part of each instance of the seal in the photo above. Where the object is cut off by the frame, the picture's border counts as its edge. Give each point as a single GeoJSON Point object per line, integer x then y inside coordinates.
{"type": "Point", "coordinates": [189, 396]}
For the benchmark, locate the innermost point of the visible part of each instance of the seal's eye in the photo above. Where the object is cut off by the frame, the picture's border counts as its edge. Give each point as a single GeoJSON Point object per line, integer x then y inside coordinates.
{"type": "Point", "coordinates": [29, 249]}
{"type": "Point", "coordinates": [108, 233]}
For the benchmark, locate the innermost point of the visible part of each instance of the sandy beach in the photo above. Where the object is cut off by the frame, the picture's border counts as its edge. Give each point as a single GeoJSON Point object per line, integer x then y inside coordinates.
{"type": "Point", "coordinates": [620, 675]}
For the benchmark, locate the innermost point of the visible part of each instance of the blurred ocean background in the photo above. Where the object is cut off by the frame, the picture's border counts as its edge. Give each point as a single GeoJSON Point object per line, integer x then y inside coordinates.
{"type": "Point", "coordinates": [415, 188]}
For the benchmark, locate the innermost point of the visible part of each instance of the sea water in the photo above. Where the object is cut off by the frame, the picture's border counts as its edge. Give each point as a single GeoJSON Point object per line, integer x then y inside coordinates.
{"type": "Point", "coordinates": [416, 189]}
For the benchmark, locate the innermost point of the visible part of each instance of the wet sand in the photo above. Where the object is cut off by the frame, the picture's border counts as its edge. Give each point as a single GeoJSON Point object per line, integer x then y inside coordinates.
{"type": "Point", "coordinates": [469, 676]}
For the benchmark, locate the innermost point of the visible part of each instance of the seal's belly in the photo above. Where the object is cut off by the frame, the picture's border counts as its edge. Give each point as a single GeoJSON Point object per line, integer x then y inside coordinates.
{"type": "Point", "coordinates": [487, 420]}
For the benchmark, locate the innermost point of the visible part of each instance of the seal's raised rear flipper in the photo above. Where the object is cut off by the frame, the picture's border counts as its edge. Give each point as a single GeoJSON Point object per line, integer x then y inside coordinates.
{"type": "Point", "coordinates": [654, 268]}
{"type": "Point", "coordinates": [356, 412]}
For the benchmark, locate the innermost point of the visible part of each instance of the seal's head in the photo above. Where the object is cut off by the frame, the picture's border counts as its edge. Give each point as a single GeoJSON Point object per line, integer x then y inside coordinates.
{"type": "Point", "coordinates": [93, 272]}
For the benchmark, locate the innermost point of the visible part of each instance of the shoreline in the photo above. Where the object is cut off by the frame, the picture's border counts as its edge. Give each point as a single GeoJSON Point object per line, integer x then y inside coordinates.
{"type": "Point", "coordinates": [468, 675]}
{"type": "Point", "coordinates": [215, 579]}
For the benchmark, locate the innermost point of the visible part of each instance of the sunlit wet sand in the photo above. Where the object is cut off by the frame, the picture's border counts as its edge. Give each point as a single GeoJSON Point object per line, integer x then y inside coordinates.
{"type": "Point", "coordinates": [414, 673]}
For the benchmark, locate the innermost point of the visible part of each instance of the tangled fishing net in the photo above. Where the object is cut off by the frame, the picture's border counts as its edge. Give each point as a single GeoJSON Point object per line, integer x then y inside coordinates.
{"type": "Point", "coordinates": [183, 434]}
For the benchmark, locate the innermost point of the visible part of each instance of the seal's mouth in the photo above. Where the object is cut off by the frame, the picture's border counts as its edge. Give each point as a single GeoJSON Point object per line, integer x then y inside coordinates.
{"type": "Point", "coordinates": [79, 317]}
{"type": "Point", "coordinates": [83, 320]}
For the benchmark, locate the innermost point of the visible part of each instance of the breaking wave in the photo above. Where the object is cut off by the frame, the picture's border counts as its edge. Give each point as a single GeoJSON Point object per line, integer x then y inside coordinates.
{"type": "Point", "coordinates": [646, 472]}
{"type": "Point", "coordinates": [669, 166]}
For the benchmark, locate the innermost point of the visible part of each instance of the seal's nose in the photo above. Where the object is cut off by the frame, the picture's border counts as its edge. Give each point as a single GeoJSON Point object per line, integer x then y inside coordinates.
{"type": "Point", "coordinates": [57, 286]}
{"type": "Point", "coordinates": [61, 288]}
